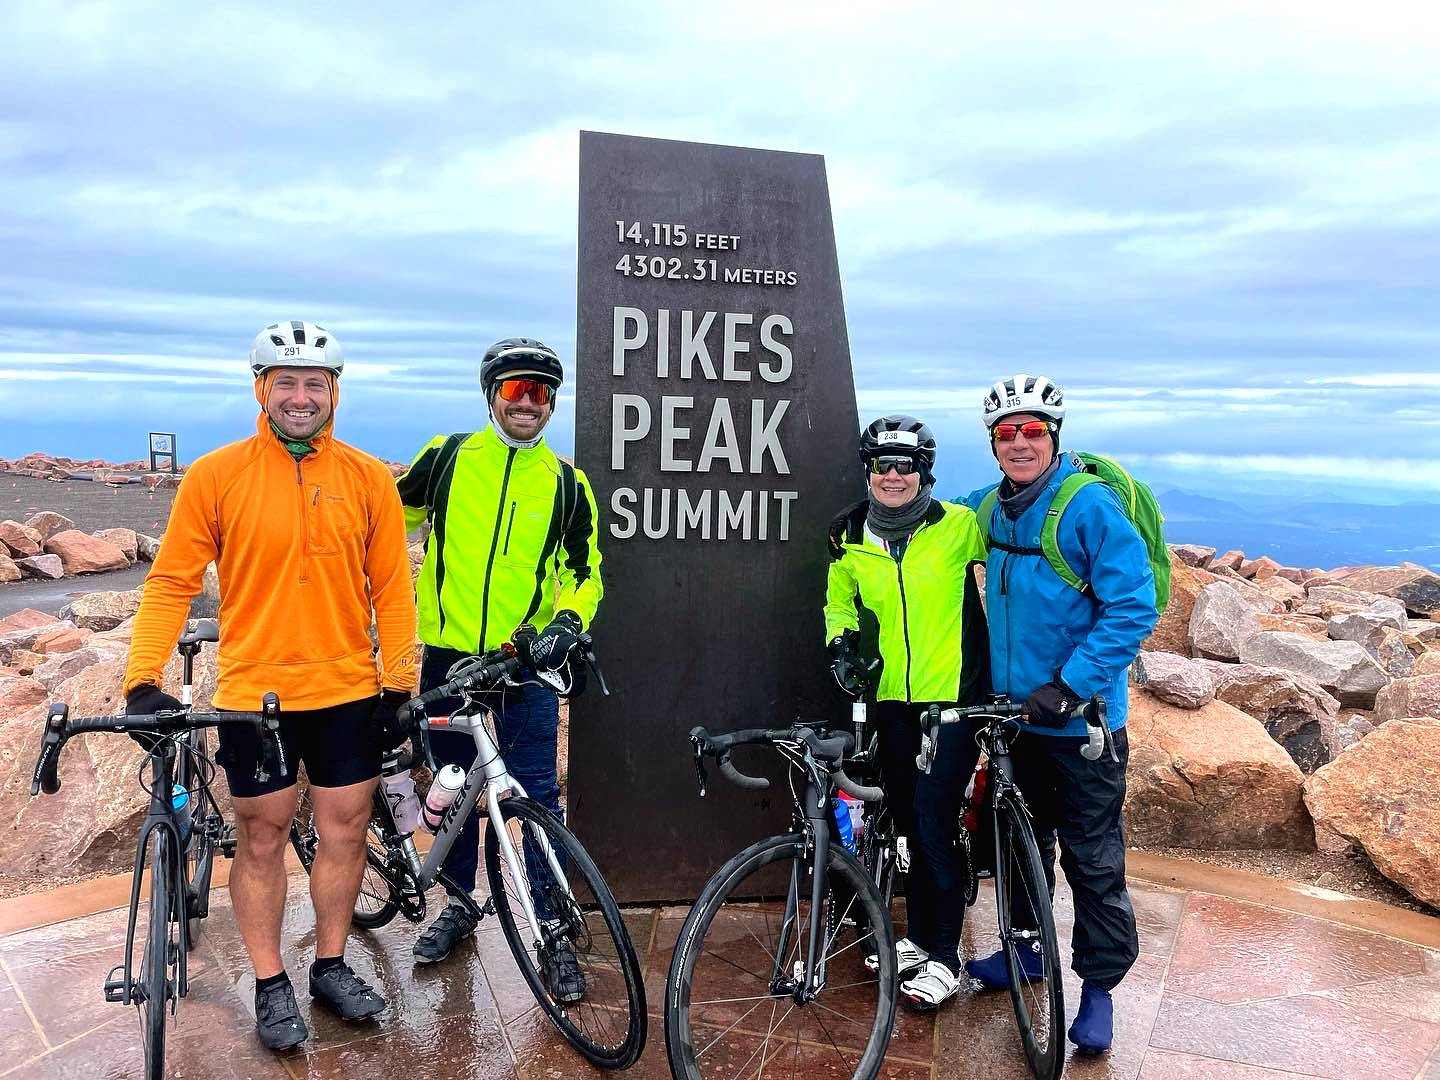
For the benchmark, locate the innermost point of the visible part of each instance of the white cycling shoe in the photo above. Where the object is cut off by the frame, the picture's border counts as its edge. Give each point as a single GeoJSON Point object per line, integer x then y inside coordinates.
{"type": "Point", "coordinates": [931, 986]}
{"type": "Point", "coordinates": [908, 957]}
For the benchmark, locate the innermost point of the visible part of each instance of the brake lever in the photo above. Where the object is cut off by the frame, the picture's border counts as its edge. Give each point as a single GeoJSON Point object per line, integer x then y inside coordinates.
{"type": "Point", "coordinates": [929, 738]}
{"type": "Point", "coordinates": [700, 766]}
{"type": "Point", "coordinates": [594, 665]}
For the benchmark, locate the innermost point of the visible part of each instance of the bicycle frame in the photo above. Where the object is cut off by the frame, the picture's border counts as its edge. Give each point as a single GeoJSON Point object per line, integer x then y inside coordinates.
{"type": "Point", "coordinates": [813, 821]}
{"type": "Point", "coordinates": [489, 777]}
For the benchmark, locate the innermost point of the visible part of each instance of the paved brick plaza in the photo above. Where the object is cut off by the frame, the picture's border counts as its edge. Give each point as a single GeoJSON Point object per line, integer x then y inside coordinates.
{"type": "Point", "coordinates": [1225, 989]}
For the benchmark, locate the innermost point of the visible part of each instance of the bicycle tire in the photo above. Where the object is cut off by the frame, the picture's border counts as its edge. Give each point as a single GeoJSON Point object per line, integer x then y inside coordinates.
{"type": "Point", "coordinates": [155, 980]}
{"type": "Point", "coordinates": [745, 951]}
{"type": "Point", "coordinates": [378, 900]}
{"type": "Point", "coordinates": [1040, 1014]}
{"type": "Point", "coordinates": [610, 978]}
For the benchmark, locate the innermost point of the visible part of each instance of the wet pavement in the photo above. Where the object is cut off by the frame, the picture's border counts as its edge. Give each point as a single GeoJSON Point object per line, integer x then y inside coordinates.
{"type": "Point", "coordinates": [1225, 989]}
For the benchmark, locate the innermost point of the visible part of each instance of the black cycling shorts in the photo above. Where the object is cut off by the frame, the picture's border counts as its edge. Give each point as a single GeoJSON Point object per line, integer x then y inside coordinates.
{"type": "Point", "coordinates": [340, 746]}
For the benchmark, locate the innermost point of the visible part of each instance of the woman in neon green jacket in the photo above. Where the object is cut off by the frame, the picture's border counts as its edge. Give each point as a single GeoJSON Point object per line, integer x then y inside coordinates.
{"type": "Point", "coordinates": [907, 557]}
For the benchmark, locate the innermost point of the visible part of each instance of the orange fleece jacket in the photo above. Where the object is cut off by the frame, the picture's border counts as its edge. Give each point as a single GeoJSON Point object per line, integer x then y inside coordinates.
{"type": "Point", "coordinates": [304, 550]}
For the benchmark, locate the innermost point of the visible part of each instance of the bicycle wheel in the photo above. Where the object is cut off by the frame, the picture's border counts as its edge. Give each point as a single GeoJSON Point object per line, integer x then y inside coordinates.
{"type": "Point", "coordinates": [603, 1014]}
{"type": "Point", "coordinates": [1020, 884]}
{"type": "Point", "coordinates": [376, 903]}
{"type": "Point", "coordinates": [159, 962]}
{"type": "Point", "coordinates": [731, 1004]}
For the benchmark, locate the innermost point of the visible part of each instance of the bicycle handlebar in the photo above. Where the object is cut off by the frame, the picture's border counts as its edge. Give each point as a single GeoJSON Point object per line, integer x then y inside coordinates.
{"type": "Point", "coordinates": [829, 750]}
{"type": "Point", "coordinates": [1097, 729]}
{"type": "Point", "coordinates": [60, 728]}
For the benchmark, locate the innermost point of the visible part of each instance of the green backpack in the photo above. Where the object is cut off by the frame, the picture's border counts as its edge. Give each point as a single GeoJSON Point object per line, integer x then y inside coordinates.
{"type": "Point", "coordinates": [1140, 506]}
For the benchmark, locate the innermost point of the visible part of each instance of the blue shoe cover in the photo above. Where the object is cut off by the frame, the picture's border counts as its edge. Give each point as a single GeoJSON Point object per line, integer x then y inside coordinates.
{"type": "Point", "coordinates": [992, 974]}
{"type": "Point", "coordinates": [1094, 1026]}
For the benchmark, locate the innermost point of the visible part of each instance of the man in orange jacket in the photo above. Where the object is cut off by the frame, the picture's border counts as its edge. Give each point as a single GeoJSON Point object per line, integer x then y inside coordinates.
{"type": "Point", "coordinates": [308, 535]}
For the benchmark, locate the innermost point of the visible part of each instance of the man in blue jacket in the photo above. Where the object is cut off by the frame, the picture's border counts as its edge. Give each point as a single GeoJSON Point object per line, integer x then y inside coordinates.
{"type": "Point", "coordinates": [1053, 647]}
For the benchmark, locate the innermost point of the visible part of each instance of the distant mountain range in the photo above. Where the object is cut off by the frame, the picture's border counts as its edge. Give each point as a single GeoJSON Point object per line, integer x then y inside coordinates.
{"type": "Point", "coordinates": [1302, 533]}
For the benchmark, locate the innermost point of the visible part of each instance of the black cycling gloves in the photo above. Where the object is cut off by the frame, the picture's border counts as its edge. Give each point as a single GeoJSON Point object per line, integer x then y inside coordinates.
{"type": "Point", "coordinates": [1053, 704]}
{"type": "Point", "coordinates": [852, 673]}
{"type": "Point", "coordinates": [144, 700]}
{"type": "Point", "coordinates": [387, 724]}
{"type": "Point", "coordinates": [553, 644]}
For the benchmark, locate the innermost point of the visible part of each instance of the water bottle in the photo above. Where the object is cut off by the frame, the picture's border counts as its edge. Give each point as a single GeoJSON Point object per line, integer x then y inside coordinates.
{"type": "Point", "coordinates": [842, 824]}
{"type": "Point", "coordinates": [447, 785]}
{"type": "Point", "coordinates": [399, 788]}
{"type": "Point", "coordinates": [857, 817]}
{"type": "Point", "coordinates": [180, 803]}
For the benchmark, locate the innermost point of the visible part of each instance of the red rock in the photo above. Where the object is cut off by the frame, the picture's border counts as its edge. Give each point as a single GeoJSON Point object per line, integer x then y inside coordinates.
{"type": "Point", "coordinates": [42, 566]}
{"type": "Point", "coordinates": [1298, 624]}
{"type": "Point", "coordinates": [1172, 630]}
{"type": "Point", "coordinates": [124, 539]}
{"type": "Point", "coordinates": [1259, 569]}
{"type": "Point", "coordinates": [21, 541]}
{"type": "Point", "coordinates": [1381, 793]}
{"type": "Point", "coordinates": [1427, 663]}
{"type": "Point", "coordinates": [8, 570]}
{"type": "Point", "coordinates": [1231, 560]}
{"type": "Point", "coordinates": [1192, 554]}
{"type": "Point", "coordinates": [47, 523]}
{"type": "Point", "coordinates": [1418, 695]}
{"type": "Point", "coordinates": [25, 619]}
{"type": "Point", "coordinates": [63, 640]}
{"type": "Point", "coordinates": [82, 554]}
{"type": "Point", "coordinates": [1210, 778]}
{"type": "Point", "coordinates": [19, 692]}
{"type": "Point", "coordinates": [1289, 573]}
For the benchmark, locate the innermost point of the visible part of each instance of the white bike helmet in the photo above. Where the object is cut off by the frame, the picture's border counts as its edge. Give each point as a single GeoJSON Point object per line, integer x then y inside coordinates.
{"type": "Point", "coordinates": [296, 344]}
{"type": "Point", "coordinates": [1033, 394]}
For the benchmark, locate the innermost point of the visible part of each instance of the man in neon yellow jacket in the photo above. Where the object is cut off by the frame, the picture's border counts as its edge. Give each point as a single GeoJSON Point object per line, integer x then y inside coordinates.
{"type": "Point", "coordinates": [907, 557]}
{"type": "Point", "coordinates": [512, 540]}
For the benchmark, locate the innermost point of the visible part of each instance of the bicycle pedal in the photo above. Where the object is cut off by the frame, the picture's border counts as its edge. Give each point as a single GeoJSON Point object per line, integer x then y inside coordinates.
{"type": "Point", "coordinates": [487, 908]}
{"type": "Point", "coordinates": [115, 985]}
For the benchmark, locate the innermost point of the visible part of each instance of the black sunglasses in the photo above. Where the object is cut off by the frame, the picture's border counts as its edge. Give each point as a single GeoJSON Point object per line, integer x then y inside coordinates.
{"type": "Point", "coordinates": [902, 465]}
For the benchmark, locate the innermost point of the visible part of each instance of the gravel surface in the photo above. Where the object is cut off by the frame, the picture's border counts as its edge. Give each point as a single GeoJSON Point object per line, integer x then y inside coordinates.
{"type": "Point", "coordinates": [90, 505]}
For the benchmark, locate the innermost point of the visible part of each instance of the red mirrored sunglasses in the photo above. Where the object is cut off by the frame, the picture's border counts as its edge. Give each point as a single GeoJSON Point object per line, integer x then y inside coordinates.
{"type": "Point", "coordinates": [1032, 429]}
{"type": "Point", "coordinates": [514, 389]}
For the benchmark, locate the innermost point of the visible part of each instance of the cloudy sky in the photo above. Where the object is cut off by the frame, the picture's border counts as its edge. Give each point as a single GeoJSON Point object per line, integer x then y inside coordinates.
{"type": "Point", "coordinates": [1218, 230]}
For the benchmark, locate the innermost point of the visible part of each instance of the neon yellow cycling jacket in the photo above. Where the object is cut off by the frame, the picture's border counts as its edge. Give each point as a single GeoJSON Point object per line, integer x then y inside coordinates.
{"type": "Point", "coordinates": [932, 626]}
{"type": "Point", "coordinates": [512, 540]}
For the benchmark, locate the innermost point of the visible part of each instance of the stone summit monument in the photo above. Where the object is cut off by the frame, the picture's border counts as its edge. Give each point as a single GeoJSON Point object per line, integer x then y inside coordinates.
{"type": "Point", "coordinates": [716, 419]}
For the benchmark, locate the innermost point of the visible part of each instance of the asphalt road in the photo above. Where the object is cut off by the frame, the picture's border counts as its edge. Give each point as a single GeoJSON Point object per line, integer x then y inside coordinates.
{"type": "Point", "coordinates": [51, 596]}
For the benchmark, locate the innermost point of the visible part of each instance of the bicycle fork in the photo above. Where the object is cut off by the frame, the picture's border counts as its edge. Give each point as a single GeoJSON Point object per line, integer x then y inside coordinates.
{"type": "Point", "coordinates": [807, 978]}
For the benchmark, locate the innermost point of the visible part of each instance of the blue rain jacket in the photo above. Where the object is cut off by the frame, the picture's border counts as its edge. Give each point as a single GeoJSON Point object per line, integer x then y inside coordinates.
{"type": "Point", "coordinates": [1040, 625]}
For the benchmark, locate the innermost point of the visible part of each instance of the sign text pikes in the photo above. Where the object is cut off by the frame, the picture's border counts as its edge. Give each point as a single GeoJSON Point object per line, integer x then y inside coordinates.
{"type": "Point", "coordinates": [735, 433]}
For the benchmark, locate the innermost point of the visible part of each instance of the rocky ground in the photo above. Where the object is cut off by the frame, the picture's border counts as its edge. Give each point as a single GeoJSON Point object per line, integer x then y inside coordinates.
{"type": "Point", "coordinates": [1283, 720]}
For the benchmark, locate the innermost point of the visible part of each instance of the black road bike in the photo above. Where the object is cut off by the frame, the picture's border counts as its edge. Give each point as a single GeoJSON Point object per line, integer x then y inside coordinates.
{"type": "Point", "coordinates": [760, 982]}
{"type": "Point", "coordinates": [1022, 889]}
{"type": "Point", "coordinates": [176, 844]}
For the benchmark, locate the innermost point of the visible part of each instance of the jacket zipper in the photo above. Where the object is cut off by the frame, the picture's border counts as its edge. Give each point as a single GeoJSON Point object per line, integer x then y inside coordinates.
{"type": "Point", "coordinates": [509, 527]}
{"type": "Point", "coordinates": [1009, 623]}
{"type": "Point", "coordinates": [304, 524]}
{"type": "Point", "coordinates": [904, 619]}
{"type": "Point", "coordinates": [490, 562]}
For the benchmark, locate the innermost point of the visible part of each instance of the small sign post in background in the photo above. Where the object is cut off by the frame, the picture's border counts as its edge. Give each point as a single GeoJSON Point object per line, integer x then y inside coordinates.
{"type": "Point", "coordinates": [162, 447]}
{"type": "Point", "coordinates": [716, 419]}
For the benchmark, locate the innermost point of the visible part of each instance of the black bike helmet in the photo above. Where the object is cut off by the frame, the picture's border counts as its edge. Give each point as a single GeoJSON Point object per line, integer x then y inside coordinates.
{"type": "Point", "coordinates": [519, 357]}
{"type": "Point", "coordinates": [901, 434]}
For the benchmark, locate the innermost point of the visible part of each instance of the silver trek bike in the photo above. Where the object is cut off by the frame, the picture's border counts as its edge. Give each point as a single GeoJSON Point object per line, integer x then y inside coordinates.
{"type": "Point", "coordinates": [558, 916]}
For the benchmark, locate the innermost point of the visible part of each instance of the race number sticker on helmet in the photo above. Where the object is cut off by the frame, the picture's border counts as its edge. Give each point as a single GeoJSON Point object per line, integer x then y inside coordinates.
{"type": "Point", "coordinates": [296, 344]}
{"type": "Point", "coordinates": [898, 438]}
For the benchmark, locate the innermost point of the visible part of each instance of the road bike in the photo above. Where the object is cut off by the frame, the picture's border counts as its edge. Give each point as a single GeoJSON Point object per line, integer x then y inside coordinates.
{"type": "Point", "coordinates": [759, 982]}
{"type": "Point", "coordinates": [182, 831]}
{"type": "Point", "coordinates": [551, 900]}
{"type": "Point", "coordinates": [1022, 888]}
